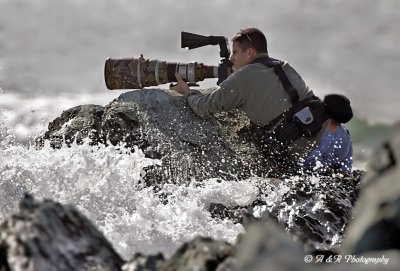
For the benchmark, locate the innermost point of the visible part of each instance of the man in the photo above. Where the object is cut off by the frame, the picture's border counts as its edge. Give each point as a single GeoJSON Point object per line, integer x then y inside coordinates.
{"type": "Point", "coordinates": [255, 88]}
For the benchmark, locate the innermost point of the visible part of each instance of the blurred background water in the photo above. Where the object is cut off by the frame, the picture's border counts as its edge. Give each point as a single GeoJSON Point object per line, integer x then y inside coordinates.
{"type": "Point", "coordinates": [52, 55]}
{"type": "Point", "coordinates": [53, 49]}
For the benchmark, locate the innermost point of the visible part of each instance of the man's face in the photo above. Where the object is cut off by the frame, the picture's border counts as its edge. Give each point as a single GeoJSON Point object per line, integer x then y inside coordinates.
{"type": "Point", "coordinates": [239, 57]}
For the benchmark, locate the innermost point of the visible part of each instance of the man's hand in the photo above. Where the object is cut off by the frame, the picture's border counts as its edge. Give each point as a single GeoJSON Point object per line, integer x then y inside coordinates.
{"type": "Point", "coordinates": [181, 86]}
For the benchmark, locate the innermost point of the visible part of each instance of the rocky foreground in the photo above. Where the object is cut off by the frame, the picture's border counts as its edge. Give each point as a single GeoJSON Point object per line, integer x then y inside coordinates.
{"type": "Point", "coordinates": [308, 227]}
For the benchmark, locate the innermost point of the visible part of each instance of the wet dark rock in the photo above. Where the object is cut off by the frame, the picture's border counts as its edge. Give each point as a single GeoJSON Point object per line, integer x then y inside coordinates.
{"type": "Point", "coordinates": [74, 125]}
{"type": "Point", "coordinates": [140, 262]}
{"type": "Point", "coordinates": [164, 128]}
{"type": "Point", "coordinates": [314, 209]}
{"type": "Point", "coordinates": [376, 224]}
{"type": "Point", "coordinates": [265, 246]}
{"type": "Point", "coordinates": [49, 236]}
{"type": "Point", "coordinates": [202, 254]}
{"type": "Point", "coordinates": [236, 214]}
{"type": "Point", "coordinates": [321, 212]}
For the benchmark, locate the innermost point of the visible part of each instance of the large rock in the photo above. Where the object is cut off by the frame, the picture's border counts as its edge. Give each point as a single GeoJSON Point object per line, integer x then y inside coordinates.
{"type": "Point", "coordinates": [164, 128]}
{"type": "Point", "coordinates": [376, 224]}
{"type": "Point", "coordinates": [141, 262]}
{"type": "Point", "coordinates": [49, 236]}
{"type": "Point", "coordinates": [317, 209]}
{"type": "Point", "coordinates": [314, 209]}
{"type": "Point", "coordinates": [200, 254]}
{"type": "Point", "coordinates": [265, 246]}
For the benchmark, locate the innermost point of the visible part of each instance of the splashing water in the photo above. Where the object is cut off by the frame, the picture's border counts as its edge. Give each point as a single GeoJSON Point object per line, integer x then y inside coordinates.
{"type": "Point", "coordinates": [104, 182]}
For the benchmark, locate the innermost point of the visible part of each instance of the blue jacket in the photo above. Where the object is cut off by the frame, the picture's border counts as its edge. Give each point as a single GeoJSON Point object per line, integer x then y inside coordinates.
{"type": "Point", "coordinates": [335, 151]}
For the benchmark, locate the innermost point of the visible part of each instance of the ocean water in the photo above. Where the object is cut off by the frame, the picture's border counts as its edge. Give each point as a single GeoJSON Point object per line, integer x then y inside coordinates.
{"type": "Point", "coordinates": [52, 56]}
{"type": "Point", "coordinates": [104, 184]}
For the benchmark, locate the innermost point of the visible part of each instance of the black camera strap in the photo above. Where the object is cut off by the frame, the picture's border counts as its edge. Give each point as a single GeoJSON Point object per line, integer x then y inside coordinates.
{"type": "Point", "coordinates": [277, 66]}
{"type": "Point", "coordinates": [288, 130]}
{"type": "Point", "coordinates": [290, 90]}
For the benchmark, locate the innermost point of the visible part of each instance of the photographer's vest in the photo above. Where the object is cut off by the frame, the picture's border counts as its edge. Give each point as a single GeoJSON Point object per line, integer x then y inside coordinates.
{"type": "Point", "coordinates": [304, 119]}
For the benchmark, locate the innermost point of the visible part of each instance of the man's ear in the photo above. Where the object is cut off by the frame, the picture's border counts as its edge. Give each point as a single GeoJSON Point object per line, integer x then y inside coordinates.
{"type": "Point", "coordinates": [251, 52]}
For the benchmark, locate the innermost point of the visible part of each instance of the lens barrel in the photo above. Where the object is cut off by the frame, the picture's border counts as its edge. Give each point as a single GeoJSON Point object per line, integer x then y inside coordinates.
{"type": "Point", "coordinates": [136, 73]}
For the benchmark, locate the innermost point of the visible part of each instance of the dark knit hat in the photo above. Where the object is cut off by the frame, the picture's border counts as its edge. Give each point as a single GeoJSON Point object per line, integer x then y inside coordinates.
{"type": "Point", "coordinates": [338, 107]}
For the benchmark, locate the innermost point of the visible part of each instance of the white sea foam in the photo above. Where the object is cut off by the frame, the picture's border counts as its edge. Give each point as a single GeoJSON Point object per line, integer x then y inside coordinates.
{"type": "Point", "coordinates": [105, 184]}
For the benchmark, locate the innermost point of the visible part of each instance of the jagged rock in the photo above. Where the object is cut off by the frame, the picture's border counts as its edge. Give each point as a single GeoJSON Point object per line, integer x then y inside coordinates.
{"type": "Point", "coordinates": [320, 209]}
{"type": "Point", "coordinates": [314, 209]}
{"type": "Point", "coordinates": [200, 254]}
{"type": "Point", "coordinates": [74, 125]}
{"type": "Point", "coordinates": [49, 236]}
{"type": "Point", "coordinates": [141, 262]}
{"type": "Point", "coordinates": [164, 128]}
{"type": "Point", "coordinates": [236, 214]}
{"type": "Point", "coordinates": [376, 224]}
{"type": "Point", "coordinates": [265, 246]}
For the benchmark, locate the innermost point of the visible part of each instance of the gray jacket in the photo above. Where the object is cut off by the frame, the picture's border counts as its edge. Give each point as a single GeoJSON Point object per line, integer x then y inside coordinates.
{"type": "Point", "coordinates": [256, 90]}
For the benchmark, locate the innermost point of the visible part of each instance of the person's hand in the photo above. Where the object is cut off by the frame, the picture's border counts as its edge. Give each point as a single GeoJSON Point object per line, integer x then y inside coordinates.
{"type": "Point", "coordinates": [181, 86]}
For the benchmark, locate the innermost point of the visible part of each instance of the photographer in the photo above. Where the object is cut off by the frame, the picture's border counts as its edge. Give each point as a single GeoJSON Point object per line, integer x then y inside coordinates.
{"type": "Point", "coordinates": [255, 88]}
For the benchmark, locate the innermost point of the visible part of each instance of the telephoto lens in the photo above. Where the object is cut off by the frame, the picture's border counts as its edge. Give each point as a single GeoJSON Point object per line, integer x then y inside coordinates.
{"type": "Point", "coordinates": [137, 73]}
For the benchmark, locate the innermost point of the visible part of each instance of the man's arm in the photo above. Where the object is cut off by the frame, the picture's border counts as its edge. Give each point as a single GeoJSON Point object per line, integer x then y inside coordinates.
{"type": "Point", "coordinates": [225, 98]}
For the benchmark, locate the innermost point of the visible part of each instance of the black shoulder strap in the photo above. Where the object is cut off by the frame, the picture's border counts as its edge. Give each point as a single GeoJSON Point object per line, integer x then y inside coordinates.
{"type": "Point", "coordinates": [277, 66]}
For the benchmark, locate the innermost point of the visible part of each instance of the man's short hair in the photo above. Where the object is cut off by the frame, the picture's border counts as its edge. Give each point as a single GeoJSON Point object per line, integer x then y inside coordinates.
{"type": "Point", "coordinates": [251, 37]}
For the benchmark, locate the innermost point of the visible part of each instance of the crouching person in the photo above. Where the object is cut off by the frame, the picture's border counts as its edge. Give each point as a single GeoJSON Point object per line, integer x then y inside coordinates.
{"type": "Point", "coordinates": [334, 154]}
{"type": "Point", "coordinates": [272, 94]}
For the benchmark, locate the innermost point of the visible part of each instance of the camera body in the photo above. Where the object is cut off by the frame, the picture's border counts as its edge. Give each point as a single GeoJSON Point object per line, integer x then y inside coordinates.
{"type": "Point", "coordinates": [136, 73]}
